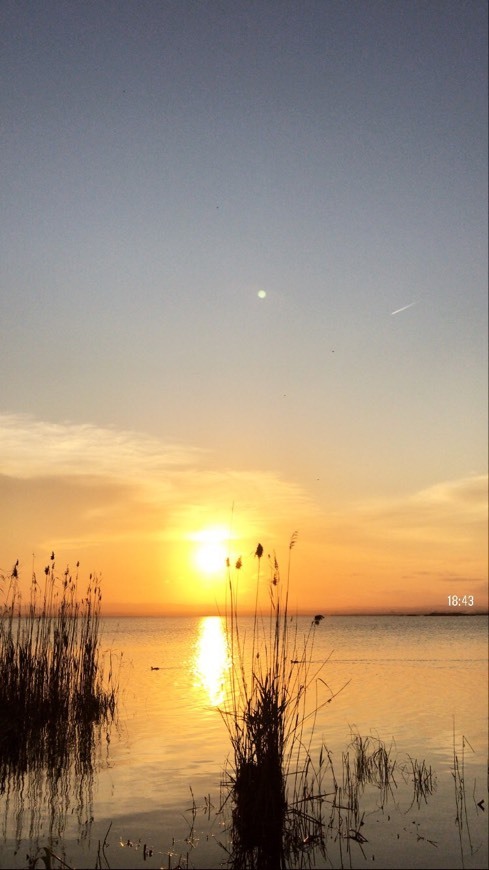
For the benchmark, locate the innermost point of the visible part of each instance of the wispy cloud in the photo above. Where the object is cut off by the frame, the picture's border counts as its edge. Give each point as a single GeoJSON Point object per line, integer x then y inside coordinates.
{"type": "Point", "coordinates": [126, 485]}
{"type": "Point", "coordinates": [439, 510]}
{"type": "Point", "coordinates": [126, 498]}
{"type": "Point", "coordinates": [34, 448]}
{"type": "Point", "coordinates": [439, 531]}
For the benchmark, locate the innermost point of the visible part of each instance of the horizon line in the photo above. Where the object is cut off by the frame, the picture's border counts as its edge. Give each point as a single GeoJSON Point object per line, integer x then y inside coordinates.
{"type": "Point", "coordinates": [205, 612]}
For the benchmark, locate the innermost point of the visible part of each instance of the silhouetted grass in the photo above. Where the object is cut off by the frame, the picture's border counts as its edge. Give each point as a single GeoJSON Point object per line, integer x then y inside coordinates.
{"type": "Point", "coordinates": [52, 686]}
{"type": "Point", "coordinates": [422, 778]}
{"type": "Point", "coordinates": [467, 848]}
{"type": "Point", "coordinates": [271, 780]}
{"type": "Point", "coordinates": [287, 807]}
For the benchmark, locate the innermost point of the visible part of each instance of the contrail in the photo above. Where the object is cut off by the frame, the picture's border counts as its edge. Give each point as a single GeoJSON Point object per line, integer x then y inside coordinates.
{"type": "Point", "coordinates": [398, 310]}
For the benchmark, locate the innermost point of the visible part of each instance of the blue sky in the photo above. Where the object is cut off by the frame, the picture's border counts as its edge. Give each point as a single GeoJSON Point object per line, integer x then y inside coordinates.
{"type": "Point", "coordinates": [163, 162]}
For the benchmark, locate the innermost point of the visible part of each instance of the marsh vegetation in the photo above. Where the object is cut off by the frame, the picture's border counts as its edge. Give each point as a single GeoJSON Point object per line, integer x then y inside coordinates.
{"type": "Point", "coordinates": [55, 699]}
{"type": "Point", "coordinates": [276, 691]}
{"type": "Point", "coordinates": [286, 801]}
{"type": "Point", "coordinates": [291, 806]}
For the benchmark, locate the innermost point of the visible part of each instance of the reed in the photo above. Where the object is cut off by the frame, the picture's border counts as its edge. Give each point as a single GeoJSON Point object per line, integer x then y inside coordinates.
{"type": "Point", "coordinates": [286, 805]}
{"type": "Point", "coordinates": [267, 714]}
{"type": "Point", "coordinates": [423, 780]}
{"type": "Point", "coordinates": [373, 763]}
{"type": "Point", "coordinates": [459, 774]}
{"type": "Point", "coordinates": [52, 685]}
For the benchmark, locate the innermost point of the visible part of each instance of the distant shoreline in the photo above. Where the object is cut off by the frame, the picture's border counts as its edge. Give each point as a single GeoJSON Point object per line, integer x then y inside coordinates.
{"type": "Point", "coordinates": [431, 613]}
{"type": "Point", "coordinates": [179, 614]}
{"type": "Point", "coordinates": [456, 613]}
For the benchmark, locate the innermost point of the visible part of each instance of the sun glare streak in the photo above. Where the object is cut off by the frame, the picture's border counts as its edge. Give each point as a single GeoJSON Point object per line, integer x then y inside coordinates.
{"type": "Point", "coordinates": [212, 659]}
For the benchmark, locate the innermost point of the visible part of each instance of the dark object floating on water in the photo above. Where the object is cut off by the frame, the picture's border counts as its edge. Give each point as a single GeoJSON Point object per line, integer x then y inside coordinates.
{"type": "Point", "coordinates": [155, 668]}
{"type": "Point", "coordinates": [318, 618]}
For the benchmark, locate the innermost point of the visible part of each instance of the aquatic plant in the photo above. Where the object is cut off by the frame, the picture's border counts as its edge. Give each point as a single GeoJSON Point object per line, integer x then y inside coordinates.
{"type": "Point", "coordinates": [423, 780]}
{"type": "Point", "coordinates": [287, 807]}
{"type": "Point", "coordinates": [48, 858]}
{"type": "Point", "coordinates": [458, 771]}
{"type": "Point", "coordinates": [271, 780]}
{"type": "Point", "coordinates": [54, 695]}
{"type": "Point", "coordinates": [50, 669]}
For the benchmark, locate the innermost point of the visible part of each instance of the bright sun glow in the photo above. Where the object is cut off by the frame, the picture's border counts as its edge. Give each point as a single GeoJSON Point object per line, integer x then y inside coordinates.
{"type": "Point", "coordinates": [211, 549]}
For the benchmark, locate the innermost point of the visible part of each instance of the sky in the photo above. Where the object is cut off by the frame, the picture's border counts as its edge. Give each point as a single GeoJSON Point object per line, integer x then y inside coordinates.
{"type": "Point", "coordinates": [244, 295]}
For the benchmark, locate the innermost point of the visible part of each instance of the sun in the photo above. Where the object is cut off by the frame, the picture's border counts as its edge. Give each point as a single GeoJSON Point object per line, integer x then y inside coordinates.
{"type": "Point", "coordinates": [211, 550]}
{"type": "Point", "coordinates": [210, 558]}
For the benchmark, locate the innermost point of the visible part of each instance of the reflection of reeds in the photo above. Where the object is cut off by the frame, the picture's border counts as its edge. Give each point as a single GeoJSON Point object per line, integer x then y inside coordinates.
{"type": "Point", "coordinates": [373, 764]}
{"type": "Point", "coordinates": [462, 814]}
{"type": "Point", "coordinates": [53, 693]}
{"type": "Point", "coordinates": [366, 762]}
{"type": "Point", "coordinates": [422, 778]}
{"type": "Point", "coordinates": [49, 859]}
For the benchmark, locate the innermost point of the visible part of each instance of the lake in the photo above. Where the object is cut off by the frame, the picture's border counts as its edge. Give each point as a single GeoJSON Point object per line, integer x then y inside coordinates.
{"type": "Point", "coordinates": [417, 684]}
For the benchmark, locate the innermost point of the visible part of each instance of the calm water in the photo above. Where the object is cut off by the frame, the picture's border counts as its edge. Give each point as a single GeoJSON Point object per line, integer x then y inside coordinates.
{"type": "Point", "coordinates": [417, 683]}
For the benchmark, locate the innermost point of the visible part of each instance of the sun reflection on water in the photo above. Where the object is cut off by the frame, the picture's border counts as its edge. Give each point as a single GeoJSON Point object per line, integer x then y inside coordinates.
{"type": "Point", "coordinates": [212, 659]}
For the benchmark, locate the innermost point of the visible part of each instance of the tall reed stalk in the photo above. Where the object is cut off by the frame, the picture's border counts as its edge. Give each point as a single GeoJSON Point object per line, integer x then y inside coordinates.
{"type": "Point", "coordinates": [267, 715]}
{"type": "Point", "coordinates": [462, 816]}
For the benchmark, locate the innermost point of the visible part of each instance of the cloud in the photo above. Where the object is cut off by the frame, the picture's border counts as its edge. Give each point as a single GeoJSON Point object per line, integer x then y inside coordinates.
{"type": "Point", "coordinates": [125, 498]}
{"type": "Point", "coordinates": [422, 538]}
{"type": "Point", "coordinates": [33, 448]}
{"type": "Point", "coordinates": [436, 512]}
{"type": "Point", "coordinates": [85, 484]}
{"type": "Point", "coordinates": [128, 502]}
{"type": "Point", "coordinates": [468, 491]}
